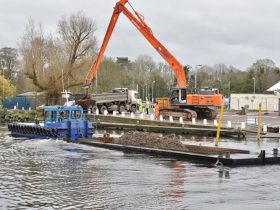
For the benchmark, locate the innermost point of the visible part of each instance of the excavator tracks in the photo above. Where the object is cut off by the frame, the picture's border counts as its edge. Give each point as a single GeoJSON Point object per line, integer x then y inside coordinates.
{"type": "Point", "coordinates": [187, 114]}
{"type": "Point", "coordinates": [207, 113]}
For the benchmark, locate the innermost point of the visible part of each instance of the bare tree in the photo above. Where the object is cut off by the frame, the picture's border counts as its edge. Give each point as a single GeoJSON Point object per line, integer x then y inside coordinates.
{"type": "Point", "coordinates": [79, 42]}
{"type": "Point", "coordinates": [57, 64]}
{"type": "Point", "coordinates": [8, 63]}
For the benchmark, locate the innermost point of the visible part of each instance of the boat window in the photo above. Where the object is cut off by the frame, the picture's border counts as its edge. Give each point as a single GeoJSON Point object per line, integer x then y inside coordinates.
{"type": "Point", "coordinates": [76, 114]}
{"type": "Point", "coordinates": [63, 115]}
{"type": "Point", "coordinates": [50, 116]}
{"type": "Point", "coordinates": [47, 116]}
{"type": "Point", "coordinates": [53, 116]}
{"type": "Point", "coordinates": [66, 114]}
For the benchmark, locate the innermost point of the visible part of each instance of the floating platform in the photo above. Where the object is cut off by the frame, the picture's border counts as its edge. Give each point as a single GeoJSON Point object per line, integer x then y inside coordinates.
{"type": "Point", "coordinates": [188, 156]}
{"type": "Point", "coordinates": [171, 129]}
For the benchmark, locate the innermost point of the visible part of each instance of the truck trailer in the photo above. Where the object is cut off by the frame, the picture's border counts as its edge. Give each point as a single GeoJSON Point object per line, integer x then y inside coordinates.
{"type": "Point", "coordinates": [120, 99]}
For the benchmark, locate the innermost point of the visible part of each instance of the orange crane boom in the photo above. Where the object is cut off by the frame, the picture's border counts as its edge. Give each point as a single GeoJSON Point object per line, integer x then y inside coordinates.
{"type": "Point", "coordinates": [143, 28]}
{"type": "Point", "coordinates": [181, 103]}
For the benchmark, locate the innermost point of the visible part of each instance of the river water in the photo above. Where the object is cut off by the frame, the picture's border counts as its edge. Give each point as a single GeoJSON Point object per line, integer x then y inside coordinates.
{"type": "Point", "coordinates": [51, 174]}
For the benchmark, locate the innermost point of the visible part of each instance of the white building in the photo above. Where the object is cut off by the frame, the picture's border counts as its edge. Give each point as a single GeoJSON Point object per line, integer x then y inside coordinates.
{"type": "Point", "coordinates": [269, 101]}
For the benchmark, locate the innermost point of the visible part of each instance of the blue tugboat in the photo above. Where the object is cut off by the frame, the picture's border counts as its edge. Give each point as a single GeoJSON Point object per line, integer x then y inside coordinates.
{"type": "Point", "coordinates": [60, 122]}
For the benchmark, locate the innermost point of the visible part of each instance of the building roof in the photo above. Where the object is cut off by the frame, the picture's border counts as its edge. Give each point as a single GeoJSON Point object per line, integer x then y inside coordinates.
{"type": "Point", "coordinates": [274, 87]}
{"type": "Point", "coordinates": [30, 94]}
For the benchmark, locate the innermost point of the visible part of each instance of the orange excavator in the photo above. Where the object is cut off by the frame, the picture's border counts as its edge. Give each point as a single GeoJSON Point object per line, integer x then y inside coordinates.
{"type": "Point", "coordinates": [181, 103]}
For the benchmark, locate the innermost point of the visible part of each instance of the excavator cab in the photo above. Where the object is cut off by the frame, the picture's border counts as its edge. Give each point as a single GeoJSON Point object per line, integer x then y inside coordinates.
{"type": "Point", "coordinates": [178, 96]}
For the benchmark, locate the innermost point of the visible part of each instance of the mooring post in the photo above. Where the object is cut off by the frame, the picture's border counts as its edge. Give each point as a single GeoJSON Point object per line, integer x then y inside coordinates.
{"type": "Point", "coordinates": [160, 118]}
{"type": "Point", "coordinates": [275, 152]}
{"type": "Point", "coordinates": [193, 121]}
{"type": "Point", "coordinates": [227, 174]}
{"type": "Point", "coordinates": [279, 107]}
{"type": "Point", "coordinates": [243, 126]}
{"type": "Point", "coordinates": [259, 124]}
{"type": "Point", "coordinates": [97, 112]}
{"type": "Point", "coordinates": [265, 128]}
{"type": "Point", "coordinates": [215, 123]}
{"type": "Point", "coordinates": [204, 121]}
{"type": "Point", "coordinates": [221, 172]}
{"type": "Point", "coordinates": [170, 119]}
{"type": "Point", "coordinates": [229, 124]}
{"type": "Point", "coordinates": [137, 124]}
{"type": "Point", "coordinates": [262, 156]}
{"type": "Point", "coordinates": [181, 120]}
{"type": "Point", "coordinates": [228, 155]}
{"type": "Point", "coordinates": [219, 125]}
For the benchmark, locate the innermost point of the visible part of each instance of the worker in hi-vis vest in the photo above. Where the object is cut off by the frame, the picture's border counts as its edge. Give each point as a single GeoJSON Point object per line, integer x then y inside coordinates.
{"type": "Point", "coordinates": [147, 106]}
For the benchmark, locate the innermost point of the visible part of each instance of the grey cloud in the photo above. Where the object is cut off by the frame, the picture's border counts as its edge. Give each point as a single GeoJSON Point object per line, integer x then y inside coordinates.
{"type": "Point", "coordinates": [234, 32]}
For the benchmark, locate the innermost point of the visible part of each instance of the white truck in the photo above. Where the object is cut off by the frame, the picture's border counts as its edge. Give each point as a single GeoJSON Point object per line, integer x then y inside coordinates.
{"type": "Point", "coordinates": [120, 99]}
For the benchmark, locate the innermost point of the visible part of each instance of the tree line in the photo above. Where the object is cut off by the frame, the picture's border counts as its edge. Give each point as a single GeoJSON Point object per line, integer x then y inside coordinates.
{"type": "Point", "coordinates": [56, 62]}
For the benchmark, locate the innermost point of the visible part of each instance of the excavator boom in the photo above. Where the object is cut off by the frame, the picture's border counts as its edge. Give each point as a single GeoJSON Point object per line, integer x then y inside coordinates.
{"type": "Point", "coordinates": [181, 103]}
{"type": "Point", "coordinates": [94, 67]}
{"type": "Point", "coordinates": [143, 28]}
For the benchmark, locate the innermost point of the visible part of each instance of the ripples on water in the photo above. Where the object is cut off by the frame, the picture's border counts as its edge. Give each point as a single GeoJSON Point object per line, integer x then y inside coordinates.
{"type": "Point", "coordinates": [48, 174]}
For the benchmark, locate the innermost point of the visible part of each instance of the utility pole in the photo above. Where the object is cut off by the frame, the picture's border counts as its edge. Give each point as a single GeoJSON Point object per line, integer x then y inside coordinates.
{"type": "Point", "coordinates": [195, 76]}
{"type": "Point", "coordinates": [153, 91]}
{"type": "Point", "coordinates": [254, 79]}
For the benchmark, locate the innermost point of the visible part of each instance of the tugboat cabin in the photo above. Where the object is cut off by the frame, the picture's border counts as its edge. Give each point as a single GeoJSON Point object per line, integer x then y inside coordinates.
{"type": "Point", "coordinates": [60, 122]}
{"type": "Point", "coordinates": [58, 114]}
{"type": "Point", "coordinates": [69, 122]}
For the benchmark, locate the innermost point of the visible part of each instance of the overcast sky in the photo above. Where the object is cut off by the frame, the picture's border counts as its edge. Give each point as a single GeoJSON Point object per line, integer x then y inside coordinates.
{"type": "Point", "coordinates": [234, 32]}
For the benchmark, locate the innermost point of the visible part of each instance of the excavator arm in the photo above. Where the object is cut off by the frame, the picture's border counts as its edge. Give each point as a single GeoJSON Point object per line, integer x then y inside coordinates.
{"type": "Point", "coordinates": [143, 28]}
{"type": "Point", "coordinates": [94, 67]}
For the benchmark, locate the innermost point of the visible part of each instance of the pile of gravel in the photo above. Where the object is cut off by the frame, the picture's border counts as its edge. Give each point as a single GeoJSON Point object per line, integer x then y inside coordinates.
{"type": "Point", "coordinates": [169, 142]}
{"type": "Point", "coordinates": [151, 140]}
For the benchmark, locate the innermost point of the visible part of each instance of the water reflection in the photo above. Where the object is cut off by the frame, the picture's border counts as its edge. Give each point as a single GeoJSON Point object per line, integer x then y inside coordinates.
{"type": "Point", "coordinates": [175, 189]}
{"type": "Point", "coordinates": [47, 174]}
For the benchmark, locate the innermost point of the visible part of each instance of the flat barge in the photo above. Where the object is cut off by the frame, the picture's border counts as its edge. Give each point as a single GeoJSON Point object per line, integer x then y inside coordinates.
{"type": "Point", "coordinates": [171, 129]}
{"type": "Point", "coordinates": [223, 159]}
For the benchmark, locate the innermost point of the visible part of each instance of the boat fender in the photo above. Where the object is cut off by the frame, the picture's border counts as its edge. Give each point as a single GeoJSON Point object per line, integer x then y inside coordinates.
{"type": "Point", "coordinates": [29, 129]}
{"type": "Point", "coordinates": [17, 128]}
{"type": "Point", "coordinates": [37, 130]}
{"type": "Point", "coordinates": [45, 132]}
{"type": "Point", "coordinates": [13, 127]}
{"type": "Point", "coordinates": [42, 131]}
{"type": "Point", "coordinates": [54, 131]}
{"type": "Point", "coordinates": [23, 128]}
{"type": "Point", "coordinates": [26, 129]}
{"type": "Point", "coordinates": [49, 132]}
{"type": "Point", "coordinates": [34, 129]}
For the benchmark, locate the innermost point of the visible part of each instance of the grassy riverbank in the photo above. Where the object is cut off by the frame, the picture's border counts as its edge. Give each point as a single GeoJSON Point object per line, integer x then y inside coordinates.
{"type": "Point", "coordinates": [18, 115]}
